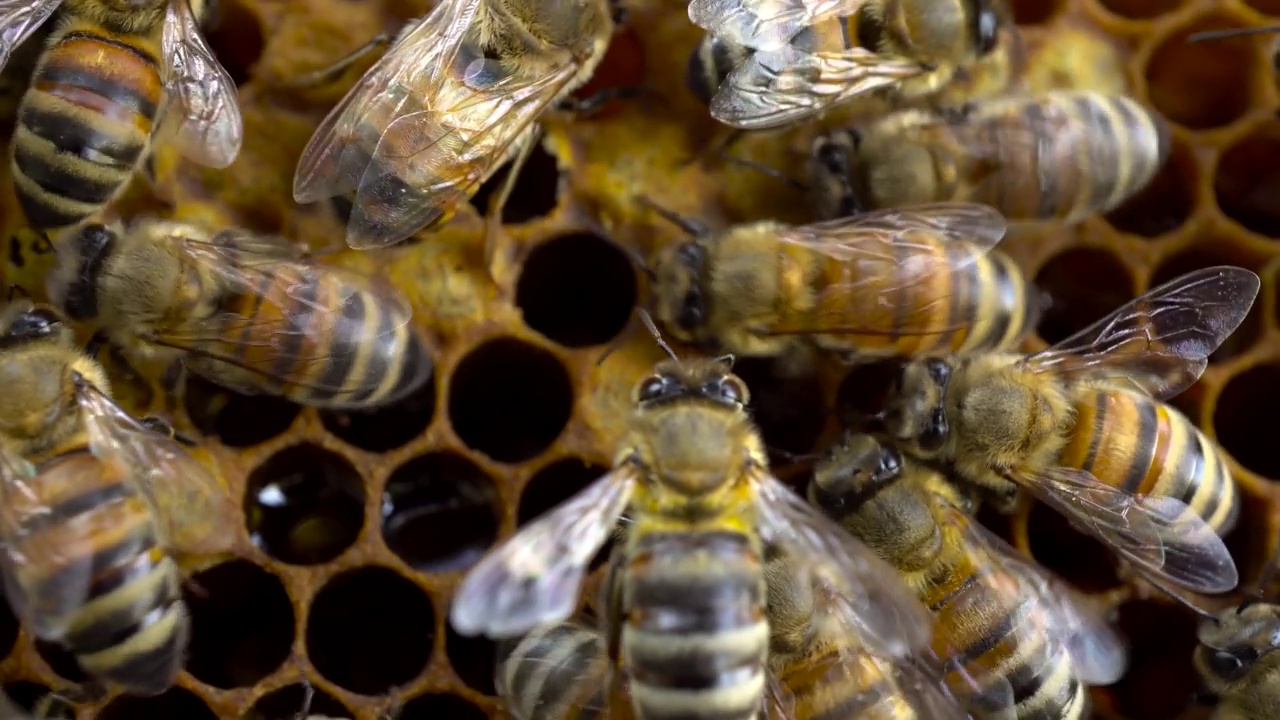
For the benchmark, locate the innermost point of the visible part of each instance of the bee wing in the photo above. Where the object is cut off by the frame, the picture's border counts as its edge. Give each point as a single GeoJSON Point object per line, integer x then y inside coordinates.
{"type": "Point", "coordinates": [1160, 341]}
{"type": "Point", "coordinates": [38, 548]}
{"type": "Point", "coordinates": [295, 324]}
{"type": "Point", "coordinates": [981, 225]}
{"type": "Point", "coordinates": [534, 576]}
{"type": "Point", "coordinates": [18, 20]}
{"type": "Point", "coordinates": [193, 510]}
{"type": "Point", "coordinates": [765, 24]}
{"type": "Point", "coordinates": [866, 595]}
{"type": "Point", "coordinates": [1161, 536]}
{"type": "Point", "coordinates": [209, 126]}
{"type": "Point", "coordinates": [773, 88]}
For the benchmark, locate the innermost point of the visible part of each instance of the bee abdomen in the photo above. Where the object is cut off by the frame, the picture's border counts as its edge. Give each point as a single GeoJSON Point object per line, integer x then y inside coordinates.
{"type": "Point", "coordinates": [82, 126]}
{"type": "Point", "coordinates": [696, 638]}
{"type": "Point", "coordinates": [555, 673]}
{"type": "Point", "coordinates": [1045, 686]}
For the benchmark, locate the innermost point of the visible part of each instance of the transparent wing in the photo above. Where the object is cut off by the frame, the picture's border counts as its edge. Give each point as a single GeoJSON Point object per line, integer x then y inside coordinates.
{"type": "Point", "coordinates": [209, 127]}
{"type": "Point", "coordinates": [765, 24]}
{"type": "Point", "coordinates": [18, 20]}
{"type": "Point", "coordinates": [37, 548]}
{"type": "Point", "coordinates": [1160, 341]}
{"type": "Point", "coordinates": [335, 158]}
{"type": "Point", "coordinates": [534, 577]}
{"type": "Point", "coordinates": [867, 595]}
{"type": "Point", "coordinates": [774, 88]}
{"type": "Point", "coordinates": [193, 510]}
{"type": "Point", "coordinates": [1161, 536]}
{"type": "Point", "coordinates": [978, 224]}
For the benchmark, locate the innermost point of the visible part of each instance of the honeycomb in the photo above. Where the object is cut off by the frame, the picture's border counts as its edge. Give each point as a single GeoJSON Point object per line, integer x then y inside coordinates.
{"type": "Point", "coordinates": [356, 526]}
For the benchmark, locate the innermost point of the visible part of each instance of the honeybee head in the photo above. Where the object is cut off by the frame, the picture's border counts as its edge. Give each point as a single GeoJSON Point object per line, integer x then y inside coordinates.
{"type": "Point", "coordinates": [72, 285]}
{"type": "Point", "coordinates": [853, 471]}
{"type": "Point", "coordinates": [985, 27]}
{"type": "Point", "coordinates": [681, 301]}
{"type": "Point", "coordinates": [707, 380]}
{"type": "Point", "coordinates": [24, 323]}
{"type": "Point", "coordinates": [1234, 641]}
{"type": "Point", "coordinates": [915, 410]}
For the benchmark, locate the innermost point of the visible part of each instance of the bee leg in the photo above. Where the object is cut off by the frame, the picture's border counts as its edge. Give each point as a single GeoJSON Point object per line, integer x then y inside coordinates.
{"type": "Point", "coordinates": [595, 101]}
{"type": "Point", "coordinates": [160, 426]}
{"type": "Point", "coordinates": [493, 216]}
{"type": "Point", "coordinates": [331, 73]}
{"type": "Point", "coordinates": [173, 383]}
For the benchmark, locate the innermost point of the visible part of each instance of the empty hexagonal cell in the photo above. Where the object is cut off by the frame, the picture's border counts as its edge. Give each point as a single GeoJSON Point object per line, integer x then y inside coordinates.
{"type": "Point", "coordinates": [1036, 12]}
{"type": "Point", "coordinates": [472, 659]}
{"type": "Point", "coordinates": [287, 702]}
{"type": "Point", "coordinates": [554, 484]}
{"type": "Point", "coordinates": [1203, 85]}
{"type": "Point", "coordinates": [436, 706]}
{"type": "Point", "coordinates": [1267, 7]}
{"type": "Point", "coordinates": [577, 289]}
{"type": "Point", "coordinates": [1166, 202]}
{"type": "Point", "coordinates": [1242, 422]}
{"type": "Point", "coordinates": [175, 703]}
{"type": "Point", "coordinates": [863, 391]}
{"type": "Point", "coordinates": [1249, 541]}
{"type": "Point", "coordinates": [370, 630]}
{"type": "Point", "coordinates": [8, 628]}
{"type": "Point", "coordinates": [1082, 286]}
{"type": "Point", "coordinates": [1141, 9]}
{"type": "Point", "coordinates": [1079, 559]}
{"type": "Point", "coordinates": [509, 399]}
{"type": "Point", "coordinates": [61, 661]}
{"type": "Point", "coordinates": [32, 696]}
{"type": "Point", "coordinates": [236, 419]}
{"type": "Point", "coordinates": [385, 428]}
{"type": "Point", "coordinates": [242, 624]}
{"type": "Point", "coordinates": [1160, 680]}
{"type": "Point", "coordinates": [1248, 179]}
{"type": "Point", "coordinates": [304, 505]}
{"type": "Point", "coordinates": [534, 194]}
{"type": "Point", "coordinates": [790, 410]}
{"type": "Point", "coordinates": [1215, 252]}
{"type": "Point", "coordinates": [235, 36]}
{"type": "Point", "coordinates": [439, 512]}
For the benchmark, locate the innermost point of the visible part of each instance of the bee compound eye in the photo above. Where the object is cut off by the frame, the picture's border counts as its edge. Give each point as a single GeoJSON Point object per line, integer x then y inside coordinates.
{"type": "Point", "coordinates": [988, 30]}
{"type": "Point", "coordinates": [733, 390]}
{"type": "Point", "coordinates": [653, 387]}
{"type": "Point", "coordinates": [1231, 664]}
{"type": "Point", "coordinates": [36, 324]}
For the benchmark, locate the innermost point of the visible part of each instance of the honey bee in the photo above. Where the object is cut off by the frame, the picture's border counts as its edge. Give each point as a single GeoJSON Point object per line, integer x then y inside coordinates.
{"type": "Point", "coordinates": [686, 610]}
{"type": "Point", "coordinates": [1239, 662]}
{"type": "Point", "coordinates": [1081, 426]}
{"type": "Point", "coordinates": [94, 508]}
{"type": "Point", "coordinates": [791, 59]}
{"type": "Point", "coordinates": [246, 311]}
{"type": "Point", "coordinates": [890, 283]}
{"type": "Point", "coordinates": [455, 97]}
{"type": "Point", "coordinates": [90, 113]}
{"type": "Point", "coordinates": [558, 672]}
{"type": "Point", "coordinates": [1012, 633]}
{"type": "Point", "coordinates": [1062, 155]}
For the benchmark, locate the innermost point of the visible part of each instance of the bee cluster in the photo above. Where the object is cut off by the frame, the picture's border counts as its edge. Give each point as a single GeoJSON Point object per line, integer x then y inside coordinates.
{"type": "Point", "coordinates": [322, 312]}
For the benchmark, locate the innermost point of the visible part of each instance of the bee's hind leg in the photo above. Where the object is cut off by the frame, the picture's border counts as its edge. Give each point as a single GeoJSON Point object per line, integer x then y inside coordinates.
{"type": "Point", "coordinates": [596, 100]}
{"type": "Point", "coordinates": [493, 215]}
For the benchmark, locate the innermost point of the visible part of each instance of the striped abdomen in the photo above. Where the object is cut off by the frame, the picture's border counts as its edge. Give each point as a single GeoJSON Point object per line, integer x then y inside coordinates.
{"type": "Point", "coordinates": [940, 297]}
{"type": "Point", "coordinates": [309, 336]}
{"type": "Point", "coordinates": [131, 629]}
{"type": "Point", "coordinates": [1064, 156]}
{"type": "Point", "coordinates": [558, 672]}
{"type": "Point", "coordinates": [83, 124]}
{"type": "Point", "coordinates": [1133, 442]}
{"type": "Point", "coordinates": [695, 639]}
{"type": "Point", "coordinates": [841, 682]}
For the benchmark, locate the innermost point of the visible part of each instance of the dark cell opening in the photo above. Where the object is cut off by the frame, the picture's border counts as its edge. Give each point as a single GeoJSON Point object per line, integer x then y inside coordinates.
{"type": "Point", "coordinates": [1247, 334]}
{"type": "Point", "coordinates": [174, 703]}
{"type": "Point", "coordinates": [863, 391]}
{"type": "Point", "coordinates": [61, 661]}
{"type": "Point", "coordinates": [534, 194]}
{"type": "Point", "coordinates": [8, 628]}
{"type": "Point", "coordinates": [370, 630]}
{"type": "Point", "coordinates": [286, 702]}
{"type": "Point", "coordinates": [509, 399]}
{"type": "Point", "coordinates": [789, 409]}
{"type": "Point", "coordinates": [1036, 12]}
{"type": "Point", "coordinates": [1083, 286]}
{"type": "Point", "coordinates": [1203, 85]}
{"type": "Point", "coordinates": [242, 624]}
{"type": "Point", "coordinates": [1161, 680]}
{"type": "Point", "coordinates": [1140, 9]}
{"type": "Point", "coordinates": [28, 695]}
{"type": "Point", "coordinates": [554, 484]}
{"type": "Point", "coordinates": [439, 512]}
{"type": "Point", "coordinates": [388, 427]}
{"type": "Point", "coordinates": [472, 659]}
{"type": "Point", "coordinates": [1247, 181]}
{"type": "Point", "coordinates": [437, 706]}
{"type": "Point", "coordinates": [1079, 559]}
{"type": "Point", "coordinates": [1242, 422]}
{"type": "Point", "coordinates": [304, 505]}
{"type": "Point", "coordinates": [577, 290]}
{"type": "Point", "coordinates": [235, 37]}
{"type": "Point", "coordinates": [235, 419]}
{"type": "Point", "coordinates": [1166, 202]}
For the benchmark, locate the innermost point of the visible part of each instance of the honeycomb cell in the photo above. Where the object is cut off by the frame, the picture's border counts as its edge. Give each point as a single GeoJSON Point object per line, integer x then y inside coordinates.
{"type": "Point", "coordinates": [1166, 202]}
{"type": "Point", "coordinates": [1248, 541]}
{"type": "Point", "coordinates": [1202, 85]}
{"type": "Point", "coordinates": [235, 36]}
{"type": "Point", "coordinates": [27, 695]}
{"type": "Point", "coordinates": [577, 290]}
{"type": "Point", "coordinates": [370, 629]}
{"type": "Point", "coordinates": [1161, 679]}
{"type": "Point", "coordinates": [1141, 9]}
{"type": "Point", "coordinates": [174, 703]}
{"type": "Point", "coordinates": [1250, 441]}
{"type": "Point", "coordinates": [61, 661]}
{"type": "Point", "coordinates": [790, 410]}
{"type": "Point", "coordinates": [553, 485]}
{"type": "Point", "coordinates": [1036, 12]}
{"type": "Point", "coordinates": [385, 428]}
{"type": "Point", "coordinates": [1079, 559]}
{"type": "Point", "coordinates": [439, 512]}
{"type": "Point", "coordinates": [235, 419]}
{"type": "Point", "coordinates": [862, 392]}
{"type": "Point", "coordinates": [1082, 285]}
{"type": "Point", "coordinates": [8, 628]}
{"type": "Point", "coordinates": [472, 659]}
{"type": "Point", "coordinates": [1266, 7]}
{"type": "Point", "coordinates": [509, 399]}
{"type": "Point", "coordinates": [285, 703]}
{"type": "Point", "coordinates": [1248, 178]}
{"type": "Point", "coordinates": [1208, 252]}
{"type": "Point", "coordinates": [438, 705]}
{"type": "Point", "coordinates": [242, 624]}
{"type": "Point", "coordinates": [535, 192]}
{"type": "Point", "coordinates": [304, 505]}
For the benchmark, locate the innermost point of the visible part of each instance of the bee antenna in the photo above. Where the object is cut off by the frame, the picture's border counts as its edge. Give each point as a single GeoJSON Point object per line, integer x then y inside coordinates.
{"type": "Point", "coordinates": [766, 170]}
{"type": "Point", "coordinates": [14, 289]}
{"type": "Point", "coordinates": [727, 360]}
{"type": "Point", "coordinates": [689, 225]}
{"type": "Point", "coordinates": [657, 336]}
{"type": "Point", "coordinates": [1231, 32]}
